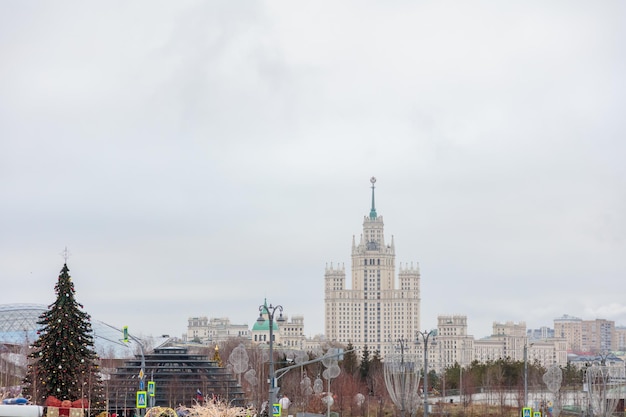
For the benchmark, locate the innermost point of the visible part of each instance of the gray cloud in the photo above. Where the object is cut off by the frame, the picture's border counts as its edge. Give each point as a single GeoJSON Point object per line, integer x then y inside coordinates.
{"type": "Point", "coordinates": [197, 158]}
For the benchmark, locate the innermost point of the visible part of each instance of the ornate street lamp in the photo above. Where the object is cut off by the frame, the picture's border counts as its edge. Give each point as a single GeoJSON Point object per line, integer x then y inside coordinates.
{"type": "Point", "coordinates": [270, 311]}
{"type": "Point", "coordinates": [424, 337]}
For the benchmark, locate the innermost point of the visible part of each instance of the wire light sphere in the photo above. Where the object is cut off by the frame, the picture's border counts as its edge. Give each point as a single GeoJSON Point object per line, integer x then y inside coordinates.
{"type": "Point", "coordinates": [402, 377]}
{"type": "Point", "coordinates": [553, 378]}
{"type": "Point", "coordinates": [605, 385]}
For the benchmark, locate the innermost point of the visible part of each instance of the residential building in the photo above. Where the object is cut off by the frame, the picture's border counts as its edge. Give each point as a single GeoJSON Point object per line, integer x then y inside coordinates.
{"type": "Point", "coordinates": [619, 343]}
{"type": "Point", "coordinates": [544, 332]}
{"type": "Point", "coordinates": [569, 328]}
{"type": "Point", "coordinates": [452, 345]}
{"type": "Point", "coordinates": [214, 330]}
{"type": "Point", "coordinates": [509, 340]}
{"type": "Point", "coordinates": [198, 329]}
{"type": "Point", "coordinates": [597, 335]}
{"type": "Point", "coordinates": [292, 332]}
{"type": "Point", "coordinates": [377, 309]}
{"type": "Point", "coordinates": [589, 336]}
{"type": "Point", "coordinates": [548, 351]}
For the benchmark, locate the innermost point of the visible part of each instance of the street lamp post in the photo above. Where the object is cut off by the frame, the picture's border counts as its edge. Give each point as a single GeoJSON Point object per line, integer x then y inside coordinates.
{"type": "Point", "coordinates": [270, 311]}
{"type": "Point", "coordinates": [526, 373]}
{"type": "Point", "coordinates": [425, 335]}
{"type": "Point", "coordinates": [461, 384]}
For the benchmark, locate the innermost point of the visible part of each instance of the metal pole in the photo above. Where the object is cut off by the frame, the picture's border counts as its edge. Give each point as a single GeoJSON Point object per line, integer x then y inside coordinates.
{"type": "Point", "coordinates": [525, 374]}
{"type": "Point", "coordinates": [403, 370]}
{"type": "Point", "coordinates": [143, 357]}
{"type": "Point", "coordinates": [425, 336]}
{"type": "Point", "coordinates": [461, 384]}
{"type": "Point", "coordinates": [140, 411]}
{"type": "Point", "coordinates": [426, 376]}
{"type": "Point", "coordinates": [328, 399]}
{"type": "Point", "coordinates": [271, 393]}
{"type": "Point", "coordinates": [271, 310]}
{"type": "Point", "coordinates": [461, 373]}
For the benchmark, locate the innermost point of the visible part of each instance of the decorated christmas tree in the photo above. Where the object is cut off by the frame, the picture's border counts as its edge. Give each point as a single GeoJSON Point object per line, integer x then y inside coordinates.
{"type": "Point", "coordinates": [63, 363]}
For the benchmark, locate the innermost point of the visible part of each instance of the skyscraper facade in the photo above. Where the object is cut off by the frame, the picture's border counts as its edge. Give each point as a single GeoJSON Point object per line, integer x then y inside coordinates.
{"type": "Point", "coordinates": [377, 309]}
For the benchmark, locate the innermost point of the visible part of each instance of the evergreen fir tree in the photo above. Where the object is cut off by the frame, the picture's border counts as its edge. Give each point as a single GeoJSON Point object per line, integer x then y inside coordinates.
{"type": "Point", "coordinates": [63, 362]}
{"type": "Point", "coordinates": [364, 368]}
{"type": "Point", "coordinates": [350, 360]}
{"type": "Point", "coordinates": [376, 363]}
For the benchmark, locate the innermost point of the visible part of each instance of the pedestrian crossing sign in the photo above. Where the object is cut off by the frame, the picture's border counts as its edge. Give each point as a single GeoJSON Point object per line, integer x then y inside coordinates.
{"type": "Point", "coordinates": [526, 412]}
{"type": "Point", "coordinates": [276, 410]}
{"type": "Point", "coordinates": [142, 399]}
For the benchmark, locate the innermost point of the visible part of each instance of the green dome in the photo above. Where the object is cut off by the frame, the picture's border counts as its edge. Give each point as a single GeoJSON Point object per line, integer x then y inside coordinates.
{"type": "Point", "coordinates": [264, 327]}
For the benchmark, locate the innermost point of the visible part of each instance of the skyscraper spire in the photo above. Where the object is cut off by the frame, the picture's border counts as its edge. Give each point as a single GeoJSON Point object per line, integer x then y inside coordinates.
{"type": "Point", "coordinates": [373, 210]}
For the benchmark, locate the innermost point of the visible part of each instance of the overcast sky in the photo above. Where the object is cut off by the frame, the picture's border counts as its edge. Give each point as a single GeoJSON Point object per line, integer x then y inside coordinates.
{"type": "Point", "coordinates": [199, 157]}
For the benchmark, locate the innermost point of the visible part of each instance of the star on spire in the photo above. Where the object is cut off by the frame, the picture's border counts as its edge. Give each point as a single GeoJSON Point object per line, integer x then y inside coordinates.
{"type": "Point", "coordinates": [373, 214]}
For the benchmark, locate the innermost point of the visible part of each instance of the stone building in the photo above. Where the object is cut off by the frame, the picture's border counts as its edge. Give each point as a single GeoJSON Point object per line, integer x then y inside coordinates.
{"type": "Point", "coordinates": [377, 308]}
{"type": "Point", "coordinates": [214, 330]}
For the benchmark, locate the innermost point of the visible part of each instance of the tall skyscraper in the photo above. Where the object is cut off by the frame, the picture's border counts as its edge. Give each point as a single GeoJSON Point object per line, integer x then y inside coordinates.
{"type": "Point", "coordinates": [377, 310]}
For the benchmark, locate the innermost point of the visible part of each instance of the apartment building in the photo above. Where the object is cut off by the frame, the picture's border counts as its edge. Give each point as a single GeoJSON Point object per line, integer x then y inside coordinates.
{"type": "Point", "coordinates": [292, 332]}
{"type": "Point", "coordinates": [620, 339]}
{"type": "Point", "coordinates": [452, 344]}
{"type": "Point", "coordinates": [590, 336]}
{"type": "Point", "coordinates": [597, 335]}
{"type": "Point", "coordinates": [569, 328]}
{"type": "Point", "coordinates": [214, 330]}
{"type": "Point", "coordinates": [509, 340]}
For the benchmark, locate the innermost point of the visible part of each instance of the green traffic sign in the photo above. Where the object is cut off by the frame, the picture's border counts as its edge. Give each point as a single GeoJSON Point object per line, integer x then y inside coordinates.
{"type": "Point", "coordinates": [151, 388]}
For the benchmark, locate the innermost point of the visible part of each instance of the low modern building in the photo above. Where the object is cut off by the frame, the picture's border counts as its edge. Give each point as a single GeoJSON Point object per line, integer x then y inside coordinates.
{"type": "Point", "coordinates": [178, 378]}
